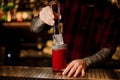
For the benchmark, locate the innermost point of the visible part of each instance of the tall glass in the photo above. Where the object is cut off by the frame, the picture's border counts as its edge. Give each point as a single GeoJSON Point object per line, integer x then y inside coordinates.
{"type": "Point", "coordinates": [59, 57]}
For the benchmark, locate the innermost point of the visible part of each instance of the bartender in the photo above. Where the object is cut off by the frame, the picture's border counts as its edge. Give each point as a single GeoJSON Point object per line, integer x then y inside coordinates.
{"type": "Point", "coordinates": [90, 30]}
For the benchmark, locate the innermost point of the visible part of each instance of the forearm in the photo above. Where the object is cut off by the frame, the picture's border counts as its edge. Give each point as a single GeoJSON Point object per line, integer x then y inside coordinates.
{"type": "Point", "coordinates": [100, 56]}
{"type": "Point", "coordinates": [36, 24]}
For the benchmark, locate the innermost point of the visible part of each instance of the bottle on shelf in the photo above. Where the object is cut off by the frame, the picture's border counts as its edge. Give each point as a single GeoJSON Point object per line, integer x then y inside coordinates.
{"type": "Point", "coordinates": [2, 11]}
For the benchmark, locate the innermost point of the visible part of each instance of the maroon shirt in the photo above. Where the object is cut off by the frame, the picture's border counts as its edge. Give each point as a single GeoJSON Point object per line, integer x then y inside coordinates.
{"type": "Point", "coordinates": [89, 29]}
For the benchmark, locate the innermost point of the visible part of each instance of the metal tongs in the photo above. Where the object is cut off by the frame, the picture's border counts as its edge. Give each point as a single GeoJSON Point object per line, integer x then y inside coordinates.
{"type": "Point", "coordinates": [57, 36]}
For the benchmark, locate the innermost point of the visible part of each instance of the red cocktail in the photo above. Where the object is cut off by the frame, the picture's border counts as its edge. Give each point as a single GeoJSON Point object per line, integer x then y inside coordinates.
{"type": "Point", "coordinates": [58, 57]}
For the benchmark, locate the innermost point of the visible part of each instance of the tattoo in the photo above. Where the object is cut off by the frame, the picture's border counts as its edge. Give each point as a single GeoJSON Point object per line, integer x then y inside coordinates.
{"type": "Point", "coordinates": [101, 55]}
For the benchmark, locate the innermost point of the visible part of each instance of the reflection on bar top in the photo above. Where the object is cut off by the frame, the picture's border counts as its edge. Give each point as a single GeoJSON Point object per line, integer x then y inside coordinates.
{"type": "Point", "coordinates": [47, 73]}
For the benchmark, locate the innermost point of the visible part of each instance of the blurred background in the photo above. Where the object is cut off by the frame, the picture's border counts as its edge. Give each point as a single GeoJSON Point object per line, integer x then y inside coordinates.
{"type": "Point", "coordinates": [21, 47]}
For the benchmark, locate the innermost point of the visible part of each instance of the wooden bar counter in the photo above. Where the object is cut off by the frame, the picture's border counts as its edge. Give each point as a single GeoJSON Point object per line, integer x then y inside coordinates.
{"type": "Point", "coordinates": [46, 73]}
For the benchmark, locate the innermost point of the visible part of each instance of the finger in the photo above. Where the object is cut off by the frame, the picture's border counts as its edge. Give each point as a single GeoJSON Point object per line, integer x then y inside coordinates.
{"type": "Point", "coordinates": [46, 15]}
{"type": "Point", "coordinates": [49, 20]}
{"type": "Point", "coordinates": [47, 10]}
{"type": "Point", "coordinates": [72, 71]}
{"type": "Point", "coordinates": [83, 72]}
{"type": "Point", "coordinates": [50, 12]}
{"type": "Point", "coordinates": [78, 71]}
{"type": "Point", "coordinates": [67, 69]}
{"type": "Point", "coordinates": [52, 23]}
{"type": "Point", "coordinates": [60, 17]}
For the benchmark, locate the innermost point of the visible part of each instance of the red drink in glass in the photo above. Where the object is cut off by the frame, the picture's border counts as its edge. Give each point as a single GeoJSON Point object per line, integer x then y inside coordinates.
{"type": "Point", "coordinates": [58, 57]}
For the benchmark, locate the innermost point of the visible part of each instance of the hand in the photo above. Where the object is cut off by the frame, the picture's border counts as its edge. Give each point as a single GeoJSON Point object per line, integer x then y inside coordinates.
{"type": "Point", "coordinates": [47, 16]}
{"type": "Point", "coordinates": [74, 68]}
